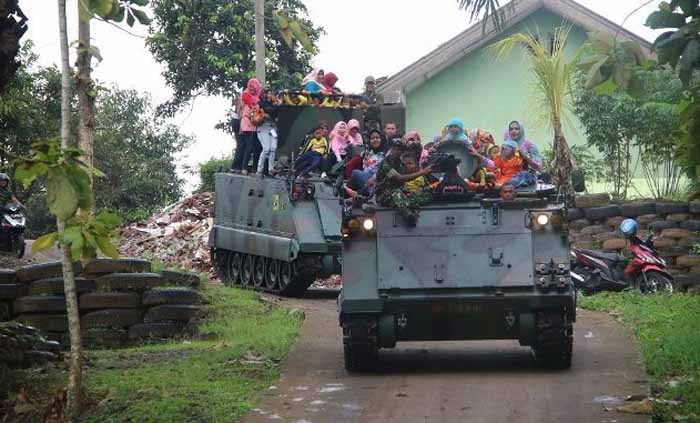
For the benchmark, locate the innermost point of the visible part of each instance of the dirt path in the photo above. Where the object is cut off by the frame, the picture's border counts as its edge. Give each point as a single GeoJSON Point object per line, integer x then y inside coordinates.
{"type": "Point", "coordinates": [7, 261]}
{"type": "Point", "coordinates": [482, 381]}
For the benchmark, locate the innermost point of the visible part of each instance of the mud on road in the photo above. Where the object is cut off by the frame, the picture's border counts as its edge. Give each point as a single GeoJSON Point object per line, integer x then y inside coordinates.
{"type": "Point", "coordinates": [482, 381]}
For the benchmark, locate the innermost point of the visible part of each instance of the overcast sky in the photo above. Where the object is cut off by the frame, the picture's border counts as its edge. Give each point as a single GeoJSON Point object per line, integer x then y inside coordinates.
{"type": "Point", "coordinates": [363, 37]}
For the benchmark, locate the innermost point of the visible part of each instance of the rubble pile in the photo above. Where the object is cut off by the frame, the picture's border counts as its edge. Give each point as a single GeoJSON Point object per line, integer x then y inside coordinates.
{"type": "Point", "coordinates": [176, 236]}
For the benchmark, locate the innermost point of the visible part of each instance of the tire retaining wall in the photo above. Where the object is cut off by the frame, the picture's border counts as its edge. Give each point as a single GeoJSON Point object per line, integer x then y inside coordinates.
{"type": "Point", "coordinates": [120, 301]}
{"type": "Point", "coordinates": [594, 223]}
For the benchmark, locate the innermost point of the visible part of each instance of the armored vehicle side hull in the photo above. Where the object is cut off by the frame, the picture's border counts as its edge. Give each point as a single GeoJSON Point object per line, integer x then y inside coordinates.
{"type": "Point", "coordinates": [273, 234]}
{"type": "Point", "coordinates": [466, 271]}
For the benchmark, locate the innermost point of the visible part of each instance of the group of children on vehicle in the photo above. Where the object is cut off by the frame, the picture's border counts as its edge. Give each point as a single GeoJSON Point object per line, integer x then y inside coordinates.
{"type": "Point", "coordinates": [393, 168]}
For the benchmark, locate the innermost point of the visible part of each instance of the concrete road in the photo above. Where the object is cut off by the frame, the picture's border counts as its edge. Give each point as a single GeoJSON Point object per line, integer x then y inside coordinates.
{"type": "Point", "coordinates": [485, 381]}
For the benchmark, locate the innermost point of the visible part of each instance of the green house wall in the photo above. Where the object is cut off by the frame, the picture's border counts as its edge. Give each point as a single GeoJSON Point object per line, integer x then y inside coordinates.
{"type": "Point", "coordinates": [488, 93]}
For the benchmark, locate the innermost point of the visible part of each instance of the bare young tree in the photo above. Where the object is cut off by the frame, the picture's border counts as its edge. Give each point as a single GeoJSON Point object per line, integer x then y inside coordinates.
{"type": "Point", "coordinates": [74, 397]}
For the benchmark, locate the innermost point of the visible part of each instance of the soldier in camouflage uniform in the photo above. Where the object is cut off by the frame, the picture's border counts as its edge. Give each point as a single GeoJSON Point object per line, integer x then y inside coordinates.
{"type": "Point", "coordinates": [392, 180]}
{"type": "Point", "coordinates": [372, 101]}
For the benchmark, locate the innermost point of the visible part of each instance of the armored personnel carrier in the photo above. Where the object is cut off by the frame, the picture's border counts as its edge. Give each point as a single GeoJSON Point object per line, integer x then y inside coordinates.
{"type": "Point", "coordinates": [279, 234]}
{"type": "Point", "coordinates": [471, 268]}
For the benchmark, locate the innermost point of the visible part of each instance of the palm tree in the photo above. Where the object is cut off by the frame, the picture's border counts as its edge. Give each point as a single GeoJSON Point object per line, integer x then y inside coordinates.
{"type": "Point", "coordinates": [553, 73]}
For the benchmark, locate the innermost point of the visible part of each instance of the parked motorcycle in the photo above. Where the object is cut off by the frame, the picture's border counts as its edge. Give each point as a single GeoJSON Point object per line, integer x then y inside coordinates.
{"type": "Point", "coordinates": [594, 271]}
{"type": "Point", "coordinates": [13, 222]}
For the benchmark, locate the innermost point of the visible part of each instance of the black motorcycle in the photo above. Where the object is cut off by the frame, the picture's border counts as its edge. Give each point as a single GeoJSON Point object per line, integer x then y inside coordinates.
{"type": "Point", "coordinates": [13, 222]}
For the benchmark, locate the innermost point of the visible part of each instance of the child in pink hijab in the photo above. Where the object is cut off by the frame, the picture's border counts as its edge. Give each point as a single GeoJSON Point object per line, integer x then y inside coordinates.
{"type": "Point", "coordinates": [339, 140]}
{"type": "Point", "coordinates": [354, 132]}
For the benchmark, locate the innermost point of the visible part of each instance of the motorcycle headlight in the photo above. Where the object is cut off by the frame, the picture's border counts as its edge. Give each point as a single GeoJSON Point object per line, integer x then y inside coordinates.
{"type": "Point", "coordinates": [368, 224]}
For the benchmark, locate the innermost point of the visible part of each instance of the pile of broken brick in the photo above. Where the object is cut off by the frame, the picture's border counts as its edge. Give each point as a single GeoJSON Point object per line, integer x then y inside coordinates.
{"type": "Point", "coordinates": [176, 236]}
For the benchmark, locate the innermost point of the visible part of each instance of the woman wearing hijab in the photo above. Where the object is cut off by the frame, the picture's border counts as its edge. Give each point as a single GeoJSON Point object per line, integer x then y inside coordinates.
{"type": "Point", "coordinates": [314, 75]}
{"type": "Point", "coordinates": [312, 82]}
{"type": "Point", "coordinates": [329, 81]}
{"type": "Point", "coordinates": [455, 131]}
{"type": "Point", "coordinates": [528, 150]}
{"type": "Point", "coordinates": [339, 140]}
{"type": "Point", "coordinates": [246, 144]}
{"type": "Point", "coordinates": [482, 141]}
{"type": "Point", "coordinates": [354, 132]}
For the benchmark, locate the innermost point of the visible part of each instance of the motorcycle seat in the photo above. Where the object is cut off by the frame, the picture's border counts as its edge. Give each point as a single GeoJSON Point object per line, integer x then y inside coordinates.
{"type": "Point", "coordinates": [602, 255]}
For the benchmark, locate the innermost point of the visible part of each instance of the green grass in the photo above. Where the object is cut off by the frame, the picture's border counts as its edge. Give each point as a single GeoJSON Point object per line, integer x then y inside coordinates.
{"type": "Point", "coordinates": [216, 377]}
{"type": "Point", "coordinates": [668, 330]}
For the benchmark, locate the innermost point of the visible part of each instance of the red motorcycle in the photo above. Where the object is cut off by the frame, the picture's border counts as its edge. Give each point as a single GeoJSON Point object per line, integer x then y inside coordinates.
{"type": "Point", "coordinates": [594, 271]}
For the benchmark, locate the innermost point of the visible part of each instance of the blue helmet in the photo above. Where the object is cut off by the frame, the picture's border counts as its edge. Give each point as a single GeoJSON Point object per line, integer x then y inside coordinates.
{"type": "Point", "coordinates": [628, 227]}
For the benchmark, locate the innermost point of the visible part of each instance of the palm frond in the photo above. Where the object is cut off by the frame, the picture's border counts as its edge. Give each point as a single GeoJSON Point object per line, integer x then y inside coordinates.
{"type": "Point", "coordinates": [551, 68]}
{"type": "Point", "coordinates": [487, 8]}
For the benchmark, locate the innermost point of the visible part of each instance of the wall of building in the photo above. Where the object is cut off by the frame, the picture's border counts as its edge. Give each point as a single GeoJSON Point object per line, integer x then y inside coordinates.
{"type": "Point", "coordinates": [488, 93]}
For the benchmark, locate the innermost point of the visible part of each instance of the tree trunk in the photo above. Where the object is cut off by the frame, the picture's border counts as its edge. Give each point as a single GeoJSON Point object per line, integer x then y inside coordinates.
{"type": "Point", "coordinates": [74, 390]}
{"type": "Point", "coordinates": [86, 97]}
{"type": "Point", "coordinates": [562, 160]}
{"type": "Point", "coordinates": [260, 40]}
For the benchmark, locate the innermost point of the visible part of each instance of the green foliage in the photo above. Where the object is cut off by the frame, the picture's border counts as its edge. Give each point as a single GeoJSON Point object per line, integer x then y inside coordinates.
{"type": "Point", "coordinates": [619, 125]}
{"type": "Point", "coordinates": [137, 152]}
{"type": "Point", "coordinates": [680, 48]}
{"type": "Point", "coordinates": [594, 168]}
{"type": "Point", "coordinates": [114, 10]}
{"type": "Point", "coordinates": [141, 178]}
{"type": "Point", "coordinates": [208, 47]}
{"type": "Point", "coordinates": [30, 110]}
{"type": "Point", "coordinates": [695, 249]}
{"type": "Point", "coordinates": [69, 197]}
{"type": "Point", "coordinates": [666, 327]}
{"type": "Point", "coordinates": [610, 64]}
{"type": "Point", "coordinates": [208, 169]}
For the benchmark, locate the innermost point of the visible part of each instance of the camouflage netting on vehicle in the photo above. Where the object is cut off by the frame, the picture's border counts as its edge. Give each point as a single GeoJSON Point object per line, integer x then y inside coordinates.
{"type": "Point", "coordinates": [595, 219]}
{"type": "Point", "coordinates": [120, 301]}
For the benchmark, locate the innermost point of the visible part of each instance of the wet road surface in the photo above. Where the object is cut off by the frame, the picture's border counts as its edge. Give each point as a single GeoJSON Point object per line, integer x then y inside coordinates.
{"type": "Point", "coordinates": [483, 381]}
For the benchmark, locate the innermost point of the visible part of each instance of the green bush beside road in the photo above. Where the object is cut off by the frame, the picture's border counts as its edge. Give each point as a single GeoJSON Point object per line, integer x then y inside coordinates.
{"type": "Point", "coordinates": [668, 330]}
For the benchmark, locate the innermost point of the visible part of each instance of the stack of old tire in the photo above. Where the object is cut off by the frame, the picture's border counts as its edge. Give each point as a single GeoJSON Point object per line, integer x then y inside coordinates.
{"type": "Point", "coordinates": [594, 222]}
{"type": "Point", "coordinates": [120, 301]}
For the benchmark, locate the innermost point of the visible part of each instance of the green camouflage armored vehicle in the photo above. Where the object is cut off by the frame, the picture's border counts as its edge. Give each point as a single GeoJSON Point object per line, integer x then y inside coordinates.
{"type": "Point", "coordinates": [471, 268]}
{"type": "Point", "coordinates": [279, 234]}
{"type": "Point", "coordinates": [275, 234]}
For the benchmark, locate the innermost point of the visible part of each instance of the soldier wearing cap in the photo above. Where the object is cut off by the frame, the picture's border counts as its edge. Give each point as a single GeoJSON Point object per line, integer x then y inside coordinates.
{"type": "Point", "coordinates": [372, 102]}
{"type": "Point", "coordinates": [391, 179]}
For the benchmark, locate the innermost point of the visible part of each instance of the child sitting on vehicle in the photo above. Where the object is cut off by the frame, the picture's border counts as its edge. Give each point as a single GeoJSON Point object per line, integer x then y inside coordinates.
{"type": "Point", "coordinates": [409, 161]}
{"type": "Point", "coordinates": [314, 152]}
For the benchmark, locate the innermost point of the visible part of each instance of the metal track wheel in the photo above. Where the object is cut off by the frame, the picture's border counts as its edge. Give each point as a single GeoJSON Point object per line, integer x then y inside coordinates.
{"type": "Point", "coordinates": [247, 269]}
{"type": "Point", "coordinates": [259, 272]}
{"type": "Point", "coordinates": [272, 272]}
{"type": "Point", "coordinates": [286, 275]}
{"type": "Point", "coordinates": [236, 268]}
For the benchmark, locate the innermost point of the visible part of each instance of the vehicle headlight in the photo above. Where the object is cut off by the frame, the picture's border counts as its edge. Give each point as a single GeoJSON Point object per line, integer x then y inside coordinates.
{"type": "Point", "coordinates": [368, 224]}
{"type": "Point", "coordinates": [542, 219]}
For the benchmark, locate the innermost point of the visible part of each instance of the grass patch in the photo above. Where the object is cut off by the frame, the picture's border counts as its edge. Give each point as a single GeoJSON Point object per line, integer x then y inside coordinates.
{"type": "Point", "coordinates": [668, 330]}
{"type": "Point", "coordinates": [215, 378]}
